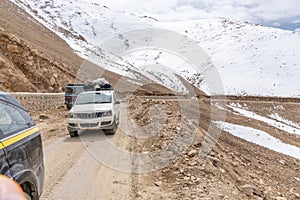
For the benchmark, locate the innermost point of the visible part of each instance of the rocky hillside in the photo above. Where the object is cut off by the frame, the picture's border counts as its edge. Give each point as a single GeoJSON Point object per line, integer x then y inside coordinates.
{"type": "Point", "coordinates": [24, 68]}
{"type": "Point", "coordinates": [233, 169]}
{"type": "Point", "coordinates": [32, 58]}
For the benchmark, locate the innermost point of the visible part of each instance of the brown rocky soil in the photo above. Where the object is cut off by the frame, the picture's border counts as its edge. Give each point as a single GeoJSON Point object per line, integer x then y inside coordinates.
{"type": "Point", "coordinates": [34, 59]}
{"type": "Point", "coordinates": [234, 169]}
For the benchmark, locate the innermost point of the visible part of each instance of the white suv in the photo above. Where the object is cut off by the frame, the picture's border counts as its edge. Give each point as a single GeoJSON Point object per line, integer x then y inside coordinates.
{"type": "Point", "coordinates": [94, 110]}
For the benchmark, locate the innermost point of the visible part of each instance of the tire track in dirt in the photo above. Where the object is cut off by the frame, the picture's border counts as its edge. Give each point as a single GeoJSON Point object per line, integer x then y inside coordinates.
{"type": "Point", "coordinates": [59, 162]}
{"type": "Point", "coordinates": [73, 170]}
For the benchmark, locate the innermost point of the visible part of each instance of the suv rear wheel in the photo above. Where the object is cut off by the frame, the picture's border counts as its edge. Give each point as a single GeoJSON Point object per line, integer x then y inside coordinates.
{"type": "Point", "coordinates": [29, 191]}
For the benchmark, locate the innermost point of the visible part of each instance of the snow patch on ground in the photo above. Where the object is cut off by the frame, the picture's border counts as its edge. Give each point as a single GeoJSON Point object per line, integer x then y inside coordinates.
{"type": "Point", "coordinates": [135, 83]}
{"type": "Point", "coordinates": [238, 105]}
{"type": "Point", "coordinates": [271, 122]}
{"type": "Point", "coordinates": [260, 138]}
{"type": "Point", "coordinates": [277, 117]}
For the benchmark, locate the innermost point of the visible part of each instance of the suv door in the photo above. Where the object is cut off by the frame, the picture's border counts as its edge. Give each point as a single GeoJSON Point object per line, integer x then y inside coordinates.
{"type": "Point", "coordinates": [22, 145]}
{"type": "Point", "coordinates": [4, 167]}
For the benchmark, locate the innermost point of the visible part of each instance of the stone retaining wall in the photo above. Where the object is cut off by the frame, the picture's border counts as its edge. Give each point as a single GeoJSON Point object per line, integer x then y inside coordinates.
{"type": "Point", "coordinates": [40, 101]}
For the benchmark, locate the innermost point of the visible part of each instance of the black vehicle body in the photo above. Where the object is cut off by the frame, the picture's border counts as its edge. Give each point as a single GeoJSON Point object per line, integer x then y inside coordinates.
{"type": "Point", "coordinates": [21, 152]}
{"type": "Point", "coordinates": [72, 90]}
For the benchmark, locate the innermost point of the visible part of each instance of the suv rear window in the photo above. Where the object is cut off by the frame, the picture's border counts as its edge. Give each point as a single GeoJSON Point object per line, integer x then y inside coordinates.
{"type": "Point", "coordinates": [69, 90]}
{"type": "Point", "coordinates": [74, 90]}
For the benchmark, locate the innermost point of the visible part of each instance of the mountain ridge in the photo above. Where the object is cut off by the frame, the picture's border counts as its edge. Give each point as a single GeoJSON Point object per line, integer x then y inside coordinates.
{"type": "Point", "coordinates": [251, 60]}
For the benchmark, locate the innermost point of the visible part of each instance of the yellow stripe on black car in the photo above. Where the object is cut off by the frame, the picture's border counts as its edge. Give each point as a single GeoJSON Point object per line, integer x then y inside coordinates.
{"type": "Point", "coordinates": [18, 137]}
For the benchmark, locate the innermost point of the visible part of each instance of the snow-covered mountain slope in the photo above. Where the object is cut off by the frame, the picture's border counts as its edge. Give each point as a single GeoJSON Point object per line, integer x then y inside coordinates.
{"type": "Point", "coordinates": [250, 59]}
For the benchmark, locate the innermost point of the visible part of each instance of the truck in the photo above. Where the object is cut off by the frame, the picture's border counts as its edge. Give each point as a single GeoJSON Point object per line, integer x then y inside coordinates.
{"type": "Point", "coordinates": [72, 90]}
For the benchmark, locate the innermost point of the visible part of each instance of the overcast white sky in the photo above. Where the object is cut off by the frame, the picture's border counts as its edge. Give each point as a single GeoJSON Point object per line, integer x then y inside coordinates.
{"type": "Point", "coordinates": [282, 13]}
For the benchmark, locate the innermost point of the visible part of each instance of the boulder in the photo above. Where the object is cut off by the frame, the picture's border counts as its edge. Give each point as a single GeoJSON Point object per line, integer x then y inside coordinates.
{"type": "Point", "coordinates": [13, 48]}
{"type": "Point", "coordinates": [247, 189]}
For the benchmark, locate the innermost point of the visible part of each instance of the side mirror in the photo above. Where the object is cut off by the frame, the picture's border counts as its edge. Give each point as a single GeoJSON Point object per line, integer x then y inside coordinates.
{"type": "Point", "coordinates": [117, 102]}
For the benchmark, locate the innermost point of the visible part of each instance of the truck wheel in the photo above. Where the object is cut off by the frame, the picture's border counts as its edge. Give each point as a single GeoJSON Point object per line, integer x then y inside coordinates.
{"type": "Point", "coordinates": [73, 133]}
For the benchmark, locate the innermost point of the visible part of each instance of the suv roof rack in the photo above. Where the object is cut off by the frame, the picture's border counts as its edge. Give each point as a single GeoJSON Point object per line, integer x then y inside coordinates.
{"type": "Point", "coordinates": [75, 84]}
{"type": "Point", "coordinates": [97, 87]}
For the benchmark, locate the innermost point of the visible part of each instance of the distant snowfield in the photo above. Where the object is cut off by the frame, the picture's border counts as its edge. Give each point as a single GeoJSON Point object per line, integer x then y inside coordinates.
{"type": "Point", "coordinates": [250, 59]}
{"type": "Point", "coordinates": [260, 138]}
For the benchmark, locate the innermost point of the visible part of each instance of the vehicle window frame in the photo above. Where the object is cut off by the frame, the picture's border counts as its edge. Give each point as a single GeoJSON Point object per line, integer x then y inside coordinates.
{"type": "Point", "coordinates": [98, 93]}
{"type": "Point", "coordinates": [76, 90]}
{"type": "Point", "coordinates": [68, 89]}
{"type": "Point", "coordinates": [22, 113]}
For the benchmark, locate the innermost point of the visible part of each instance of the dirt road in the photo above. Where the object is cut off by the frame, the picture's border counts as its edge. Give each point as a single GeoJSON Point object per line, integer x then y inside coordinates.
{"type": "Point", "coordinates": [94, 165]}
{"type": "Point", "coordinates": [72, 173]}
{"type": "Point", "coordinates": [73, 170]}
{"type": "Point", "coordinates": [89, 167]}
